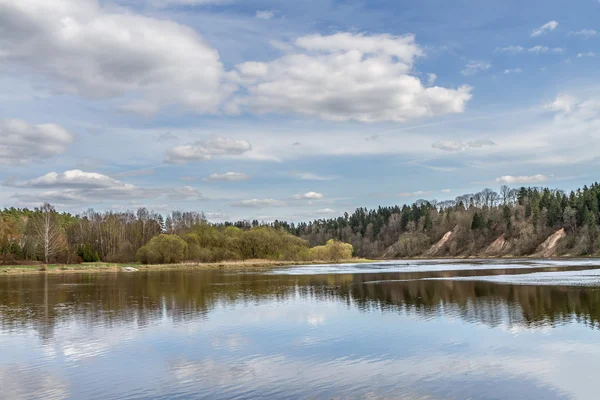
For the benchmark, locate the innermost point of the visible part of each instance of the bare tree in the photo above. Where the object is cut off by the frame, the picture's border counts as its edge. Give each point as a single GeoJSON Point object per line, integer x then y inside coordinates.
{"type": "Point", "coordinates": [505, 191]}
{"type": "Point", "coordinates": [47, 230]}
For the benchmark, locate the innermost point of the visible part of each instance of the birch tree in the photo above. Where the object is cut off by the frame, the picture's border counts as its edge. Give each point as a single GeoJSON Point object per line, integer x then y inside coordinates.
{"type": "Point", "coordinates": [47, 231]}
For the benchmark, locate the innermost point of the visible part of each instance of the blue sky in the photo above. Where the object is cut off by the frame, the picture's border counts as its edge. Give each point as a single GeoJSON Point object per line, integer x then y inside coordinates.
{"type": "Point", "coordinates": [292, 110]}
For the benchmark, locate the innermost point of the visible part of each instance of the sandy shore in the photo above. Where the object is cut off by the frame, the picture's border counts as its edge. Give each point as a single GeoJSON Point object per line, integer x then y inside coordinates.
{"type": "Point", "coordinates": [111, 267]}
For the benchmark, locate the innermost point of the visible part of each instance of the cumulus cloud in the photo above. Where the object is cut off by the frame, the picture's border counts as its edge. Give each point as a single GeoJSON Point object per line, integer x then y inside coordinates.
{"type": "Point", "coordinates": [475, 67]}
{"type": "Point", "coordinates": [513, 71]}
{"type": "Point", "coordinates": [509, 179]}
{"type": "Point", "coordinates": [585, 33]}
{"type": "Point", "coordinates": [547, 27]}
{"type": "Point", "coordinates": [346, 76]}
{"type": "Point", "coordinates": [23, 143]}
{"type": "Point", "coordinates": [309, 196]}
{"type": "Point", "coordinates": [588, 54]}
{"type": "Point", "coordinates": [259, 203]}
{"type": "Point", "coordinates": [207, 149]}
{"type": "Point", "coordinates": [446, 190]}
{"type": "Point", "coordinates": [418, 193]}
{"type": "Point", "coordinates": [459, 145]}
{"type": "Point", "coordinates": [185, 193]}
{"type": "Point", "coordinates": [81, 187]}
{"type": "Point", "coordinates": [95, 52]}
{"type": "Point", "coordinates": [266, 14]}
{"type": "Point", "coordinates": [73, 179]}
{"type": "Point", "coordinates": [228, 176]}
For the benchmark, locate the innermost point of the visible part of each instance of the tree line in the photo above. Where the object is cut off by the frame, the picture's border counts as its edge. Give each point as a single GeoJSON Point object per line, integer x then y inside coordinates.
{"type": "Point", "coordinates": [46, 235]}
{"type": "Point", "coordinates": [522, 217]}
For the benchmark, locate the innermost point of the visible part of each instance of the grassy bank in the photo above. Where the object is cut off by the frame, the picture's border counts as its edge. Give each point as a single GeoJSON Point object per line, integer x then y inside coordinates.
{"type": "Point", "coordinates": [111, 267]}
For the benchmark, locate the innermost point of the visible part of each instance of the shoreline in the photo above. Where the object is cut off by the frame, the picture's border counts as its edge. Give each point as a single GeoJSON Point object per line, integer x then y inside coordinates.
{"type": "Point", "coordinates": [101, 267]}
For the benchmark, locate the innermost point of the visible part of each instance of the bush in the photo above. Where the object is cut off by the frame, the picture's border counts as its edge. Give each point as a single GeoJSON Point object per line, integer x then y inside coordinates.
{"type": "Point", "coordinates": [332, 251]}
{"type": "Point", "coordinates": [163, 249]}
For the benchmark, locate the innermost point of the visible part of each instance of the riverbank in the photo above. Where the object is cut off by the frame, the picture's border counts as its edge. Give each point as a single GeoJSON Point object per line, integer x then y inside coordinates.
{"type": "Point", "coordinates": [132, 267]}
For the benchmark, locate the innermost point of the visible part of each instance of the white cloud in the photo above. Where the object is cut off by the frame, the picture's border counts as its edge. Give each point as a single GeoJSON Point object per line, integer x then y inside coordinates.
{"type": "Point", "coordinates": [92, 51]}
{"type": "Point", "coordinates": [217, 216]}
{"type": "Point", "coordinates": [418, 193]}
{"type": "Point", "coordinates": [563, 103]}
{"type": "Point", "coordinates": [228, 176]}
{"type": "Point", "coordinates": [309, 196]}
{"type": "Point", "coordinates": [309, 176]}
{"type": "Point", "coordinates": [81, 187]}
{"type": "Point", "coordinates": [73, 179]}
{"type": "Point", "coordinates": [185, 193]}
{"type": "Point", "coordinates": [547, 27]}
{"type": "Point", "coordinates": [343, 77]}
{"type": "Point", "coordinates": [475, 67]}
{"type": "Point", "coordinates": [513, 50]}
{"type": "Point", "coordinates": [326, 211]}
{"type": "Point", "coordinates": [510, 50]}
{"type": "Point", "coordinates": [509, 179]}
{"type": "Point", "coordinates": [431, 77]}
{"type": "Point", "coordinates": [259, 203]}
{"type": "Point", "coordinates": [446, 190]}
{"type": "Point", "coordinates": [266, 14]}
{"type": "Point", "coordinates": [513, 71]}
{"type": "Point", "coordinates": [585, 33]}
{"type": "Point", "coordinates": [588, 54]}
{"type": "Point", "coordinates": [207, 150]}
{"type": "Point", "coordinates": [459, 145]}
{"type": "Point", "coordinates": [545, 49]}
{"type": "Point", "coordinates": [23, 143]}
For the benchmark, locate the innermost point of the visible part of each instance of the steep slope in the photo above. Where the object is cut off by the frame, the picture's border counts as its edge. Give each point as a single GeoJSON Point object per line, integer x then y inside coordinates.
{"type": "Point", "coordinates": [498, 247]}
{"type": "Point", "coordinates": [437, 247]}
{"type": "Point", "coordinates": [548, 248]}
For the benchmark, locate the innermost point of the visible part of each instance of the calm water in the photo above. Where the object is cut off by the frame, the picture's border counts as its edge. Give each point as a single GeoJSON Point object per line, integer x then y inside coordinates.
{"type": "Point", "coordinates": [443, 330]}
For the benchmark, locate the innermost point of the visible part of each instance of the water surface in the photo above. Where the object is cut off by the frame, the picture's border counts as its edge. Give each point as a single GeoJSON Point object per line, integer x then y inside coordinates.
{"type": "Point", "coordinates": [413, 330]}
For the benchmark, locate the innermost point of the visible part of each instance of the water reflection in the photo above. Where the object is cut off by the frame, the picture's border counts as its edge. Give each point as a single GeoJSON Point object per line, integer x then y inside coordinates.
{"type": "Point", "coordinates": [41, 302]}
{"type": "Point", "coordinates": [224, 335]}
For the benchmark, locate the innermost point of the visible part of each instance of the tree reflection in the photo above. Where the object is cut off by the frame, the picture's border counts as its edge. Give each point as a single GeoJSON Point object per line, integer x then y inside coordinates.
{"type": "Point", "coordinates": [42, 302]}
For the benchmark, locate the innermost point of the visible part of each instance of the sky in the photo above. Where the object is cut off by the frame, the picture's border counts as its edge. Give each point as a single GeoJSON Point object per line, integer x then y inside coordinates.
{"type": "Point", "coordinates": [292, 110]}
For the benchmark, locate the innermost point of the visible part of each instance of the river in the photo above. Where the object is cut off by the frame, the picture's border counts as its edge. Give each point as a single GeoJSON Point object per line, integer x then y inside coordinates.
{"type": "Point", "coordinates": [412, 330]}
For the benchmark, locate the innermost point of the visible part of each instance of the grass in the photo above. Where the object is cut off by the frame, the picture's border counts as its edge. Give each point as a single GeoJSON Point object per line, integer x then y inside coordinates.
{"type": "Point", "coordinates": [186, 266]}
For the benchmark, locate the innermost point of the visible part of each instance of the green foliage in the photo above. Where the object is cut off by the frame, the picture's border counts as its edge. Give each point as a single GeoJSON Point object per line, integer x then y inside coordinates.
{"type": "Point", "coordinates": [87, 254]}
{"type": "Point", "coordinates": [332, 251]}
{"type": "Point", "coordinates": [163, 249]}
{"type": "Point", "coordinates": [478, 221]}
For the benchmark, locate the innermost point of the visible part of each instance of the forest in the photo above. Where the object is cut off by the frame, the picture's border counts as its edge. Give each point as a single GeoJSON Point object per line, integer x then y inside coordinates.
{"type": "Point", "coordinates": [526, 221]}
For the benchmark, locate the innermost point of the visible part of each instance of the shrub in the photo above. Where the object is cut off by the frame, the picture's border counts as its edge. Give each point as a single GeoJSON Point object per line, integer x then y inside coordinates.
{"type": "Point", "coordinates": [163, 249]}
{"type": "Point", "coordinates": [332, 251]}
